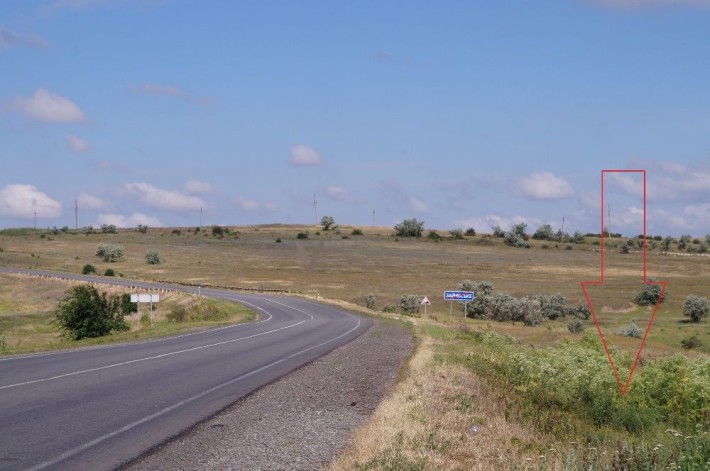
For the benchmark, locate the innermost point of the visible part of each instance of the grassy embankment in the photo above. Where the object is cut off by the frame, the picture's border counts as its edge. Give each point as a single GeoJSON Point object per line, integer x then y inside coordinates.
{"type": "Point", "coordinates": [522, 387]}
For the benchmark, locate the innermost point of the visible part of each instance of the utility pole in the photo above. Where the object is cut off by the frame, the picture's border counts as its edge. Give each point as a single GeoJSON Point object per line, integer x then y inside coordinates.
{"type": "Point", "coordinates": [76, 214]}
{"type": "Point", "coordinates": [373, 217]}
{"type": "Point", "coordinates": [200, 218]}
{"type": "Point", "coordinates": [35, 219]}
{"type": "Point", "coordinates": [563, 229]}
{"type": "Point", "coordinates": [315, 208]}
{"type": "Point", "coordinates": [608, 209]}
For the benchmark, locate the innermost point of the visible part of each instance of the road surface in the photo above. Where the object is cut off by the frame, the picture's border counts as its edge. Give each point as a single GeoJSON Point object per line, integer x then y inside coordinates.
{"type": "Point", "coordinates": [97, 408]}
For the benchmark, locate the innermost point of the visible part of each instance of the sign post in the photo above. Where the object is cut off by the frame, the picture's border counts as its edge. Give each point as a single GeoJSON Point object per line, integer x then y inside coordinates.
{"type": "Point", "coordinates": [425, 303]}
{"type": "Point", "coordinates": [465, 296]}
{"type": "Point", "coordinates": [145, 298]}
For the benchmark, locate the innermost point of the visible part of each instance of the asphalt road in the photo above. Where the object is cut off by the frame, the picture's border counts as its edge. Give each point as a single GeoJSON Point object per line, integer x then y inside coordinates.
{"type": "Point", "coordinates": [97, 408]}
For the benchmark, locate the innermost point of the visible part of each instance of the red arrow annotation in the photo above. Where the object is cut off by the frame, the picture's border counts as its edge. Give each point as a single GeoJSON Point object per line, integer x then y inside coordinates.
{"type": "Point", "coordinates": [584, 284]}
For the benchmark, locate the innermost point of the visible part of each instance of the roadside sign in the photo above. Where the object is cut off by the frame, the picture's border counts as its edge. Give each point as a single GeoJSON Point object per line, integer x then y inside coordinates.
{"type": "Point", "coordinates": [466, 296]}
{"type": "Point", "coordinates": [145, 298]}
{"type": "Point", "coordinates": [425, 301]}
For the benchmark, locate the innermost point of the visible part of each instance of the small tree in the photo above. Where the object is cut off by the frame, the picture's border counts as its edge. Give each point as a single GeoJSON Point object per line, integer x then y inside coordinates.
{"type": "Point", "coordinates": [409, 228]}
{"type": "Point", "coordinates": [470, 232]}
{"type": "Point", "coordinates": [88, 269]}
{"type": "Point", "coordinates": [456, 234]}
{"type": "Point", "coordinates": [127, 307]}
{"type": "Point", "coordinates": [544, 232]}
{"type": "Point", "coordinates": [327, 222]}
{"type": "Point", "coordinates": [650, 295]}
{"type": "Point", "coordinates": [575, 325]}
{"type": "Point", "coordinates": [142, 228]}
{"type": "Point", "coordinates": [108, 229]}
{"type": "Point", "coordinates": [85, 312]}
{"type": "Point", "coordinates": [498, 232]}
{"type": "Point", "coordinates": [217, 231]}
{"type": "Point", "coordinates": [152, 257]}
{"type": "Point", "coordinates": [109, 272]}
{"type": "Point", "coordinates": [696, 307]}
{"type": "Point", "coordinates": [519, 230]}
{"type": "Point", "coordinates": [410, 304]}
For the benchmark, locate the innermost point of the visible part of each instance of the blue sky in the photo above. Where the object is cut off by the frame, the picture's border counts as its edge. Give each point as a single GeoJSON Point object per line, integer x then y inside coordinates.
{"type": "Point", "coordinates": [461, 114]}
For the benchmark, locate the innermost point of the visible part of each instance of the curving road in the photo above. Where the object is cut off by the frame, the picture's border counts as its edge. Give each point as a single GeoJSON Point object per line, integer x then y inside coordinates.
{"type": "Point", "coordinates": [97, 408]}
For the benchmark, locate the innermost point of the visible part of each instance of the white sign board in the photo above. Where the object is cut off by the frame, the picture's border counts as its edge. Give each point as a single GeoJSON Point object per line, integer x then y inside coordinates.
{"type": "Point", "coordinates": [145, 298]}
{"type": "Point", "coordinates": [425, 301]}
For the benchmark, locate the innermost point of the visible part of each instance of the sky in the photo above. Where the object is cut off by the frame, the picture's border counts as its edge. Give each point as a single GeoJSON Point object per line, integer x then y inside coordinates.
{"type": "Point", "coordinates": [460, 114]}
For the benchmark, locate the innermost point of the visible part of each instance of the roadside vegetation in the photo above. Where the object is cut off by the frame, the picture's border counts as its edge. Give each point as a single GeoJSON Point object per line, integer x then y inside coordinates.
{"type": "Point", "coordinates": [521, 383]}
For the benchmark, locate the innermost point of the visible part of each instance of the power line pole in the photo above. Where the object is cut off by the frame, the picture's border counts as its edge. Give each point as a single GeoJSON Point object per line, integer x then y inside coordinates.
{"type": "Point", "coordinates": [608, 209]}
{"type": "Point", "coordinates": [76, 214]}
{"type": "Point", "coordinates": [35, 219]}
{"type": "Point", "coordinates": [373, 217]}
{"type": "Point", "coordinates": [200, 218]}
{"type": "Point", "coordinates": [315, 208]}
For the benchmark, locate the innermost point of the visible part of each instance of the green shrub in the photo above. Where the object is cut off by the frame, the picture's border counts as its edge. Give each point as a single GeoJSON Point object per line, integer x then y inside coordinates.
{"type": "Point", "coordinates": [127, 307]}
{"type": "Point", "coordinates": [109, 252]}
{"type": "Point", "coordinates": [278, 241]}
{"type": "Point", "coordinates": [409, 228]}
{"type": "Point", "coordinates": [108, 229]}
{"type": "Point", "coordinates": [691, 342]}
{"type": "Point", "coordinates": [456, 234]}
{"type": "Point", "coordinates": [502, 306]}
{"type": "Point", "coordinates": [470, 232]}
{"type": "Point", "coordinates": [217, 231]}
{"type": "Point", "coordinates": [650, 295]}
{"type": "Point", "coordinates": [552, 306]}
{"type": "Point", "coordinates": [302, 235]}
{"type": "Point", "coordinates": [696, 307]}
{"type": "Point", "coordinates": [389, 308]}
{"type": "Point", "coordinates": [631, 330]}
{"type": "Point", "coordinates": [575, 325]}
{"type": "Point", "coordinates": [370, 300]}
{"type": "Point", "coordinates": [356, 232]}
{"type": "Point", "coordinates": [409, 304]}
{"type": "Point", "coordinates": [86, 313]}
{"type": "Point", "coordinates": [88, 269]}
{"type": "Point", "coordinates": [109, 272]}
{"type": "Point", "coordinates": [433, 235]}
{"type": "Point", "coordinates": [480, 306]}
{"type": "Point", "coordinates": [152, 257]}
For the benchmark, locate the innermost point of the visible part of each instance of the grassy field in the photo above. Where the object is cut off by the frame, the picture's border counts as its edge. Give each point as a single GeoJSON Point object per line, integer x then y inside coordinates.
{"type": "Point", "coordinates": [463, 402]}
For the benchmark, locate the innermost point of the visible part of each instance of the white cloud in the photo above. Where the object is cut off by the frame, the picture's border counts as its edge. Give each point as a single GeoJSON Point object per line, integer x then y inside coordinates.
{"type": "Point", "coordinates": [664, 181]}
{"type": "Point", "coordinates": [76, 144]}
{"type": "Point", "coordinates": [48, 107]}
{"type": "Point", "coordinates": [544, 186]}
{"type": "Point", "coordinates": [86, 201]}
{"type": "Point", "coordinates": [133, 220]}
{"type": "Point", "coordinates": [304, 155]}
{"type": "Point", "coordinates": [197, 187]}
{"type": "Point", "coordinates": [9, 39]}
{"type": "Point", "coordinates": [417, 205]}
{"type": "Point", "coordinates": [167, 200]}
{"type": "Point", "coordinates": [340, 194]}
{"type": "Point", "coordinates": [23, 200]}
{"type": "Point", "coordinates": [246, 204]}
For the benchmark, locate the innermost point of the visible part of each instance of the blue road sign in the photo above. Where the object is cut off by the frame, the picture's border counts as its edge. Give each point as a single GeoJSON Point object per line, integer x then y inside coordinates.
{"type": "Point", "coordinates": [458, 296]}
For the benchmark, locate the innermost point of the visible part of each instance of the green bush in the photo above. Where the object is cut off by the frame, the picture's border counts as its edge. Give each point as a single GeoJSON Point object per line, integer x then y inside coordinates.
{"type": "Point", "coordinates": [86, 313]}
{"type": "Point", "coordinates": [433, 235]}
{"type": "Point", "coordinates": [127, 307]}
{"type": "Point", "coordinates": [109, 272]}
{"type": "Point", "coordinates": [470, 232]}
{"type": "Point", "coordinates": [302, 235]}
{"type": "Point", "coordinates": [456, 234]}
{"type": "Point", "coordinates": [575, 325]}
{"type": "Point", "coordinates": [650, 295]}
{"type": "Point", "coordinates": [696, 307]}
{"type": "Point", "coordinates": [88, 269]}
{"type": "Point", "coordinates": [389, 308]}
{"type": "Point", "coordinates": [483, 291]}
{"type": "Point", "coordinates": [409, 304]}
{"type": "Point", "coordinates": [552, 306]}
{"type": "Point", "coordinates": [152, 257]}
{"type": "Point", "coordinates": [109, 252]}
{"type": "Point", "coordinates": [108, 229]}
{"type": "Point", "coordinates": [356, 232]}
{"type": "Point", "coordinates": [370, 300]}
{"type": "Point", "coordinates": [631, 330]}
{"type": "Point", "coordinates": [409, 228]}
{"type": "Point", "coordinates": [691, 342]}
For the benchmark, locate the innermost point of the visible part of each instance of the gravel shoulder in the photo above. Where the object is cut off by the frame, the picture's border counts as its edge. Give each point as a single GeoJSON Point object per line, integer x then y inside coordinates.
{"type": "Point", "coordinates": [299, 422]}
